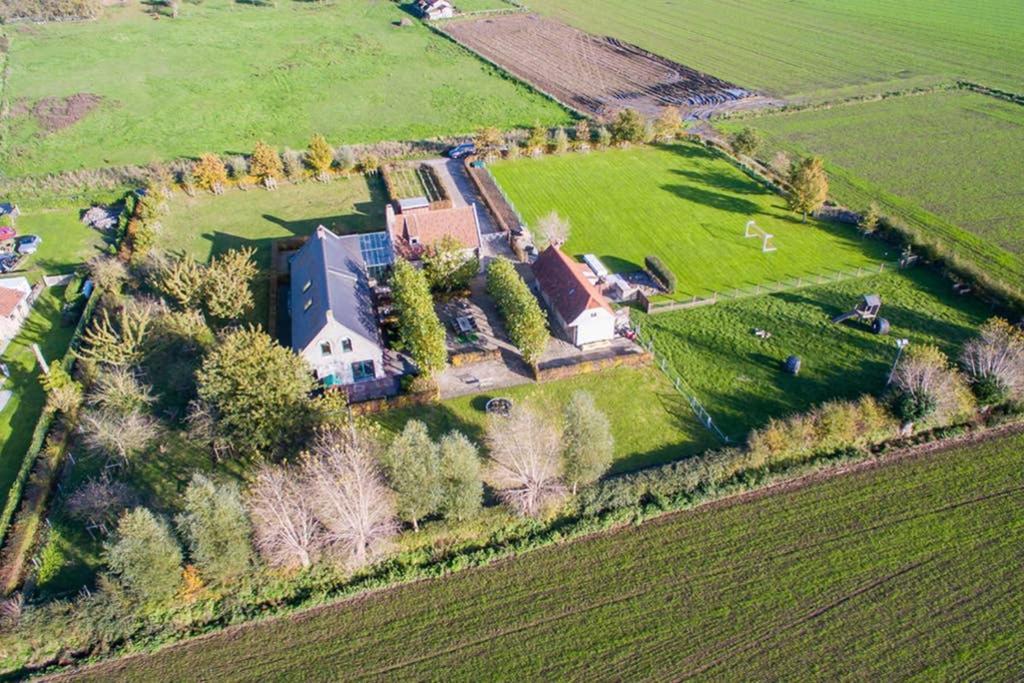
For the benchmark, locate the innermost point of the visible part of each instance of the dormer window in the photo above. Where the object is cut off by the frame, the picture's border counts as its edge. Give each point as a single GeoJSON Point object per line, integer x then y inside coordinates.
{"type": "Point", "coordinates": [325, 348]}
{"type": "Point", "coordinates": [305, 287]}
{"type": "Point", "coordinates": [346, 345]}
{"type": "Point", "coordinates": [306, 306]}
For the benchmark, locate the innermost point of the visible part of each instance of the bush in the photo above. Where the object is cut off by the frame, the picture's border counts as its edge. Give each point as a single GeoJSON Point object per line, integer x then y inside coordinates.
{"type": "Point", "coordinates": [524, 319]}
{"type": "Point", "coordinates": [665, 277]}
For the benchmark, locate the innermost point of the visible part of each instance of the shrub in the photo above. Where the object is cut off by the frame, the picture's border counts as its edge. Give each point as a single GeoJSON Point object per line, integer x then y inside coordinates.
{"type": "Point", "coordinates": [210, 173]}
{"type": "Point", "coordinates": [665, 277]}
{"type": "Point", "coordinates": [628, 126]}
{"type": "Point", "coordinates": [525, 321]}
{"type": "Point", "coordinates": [145, 557]}
{"type": "Point", "coordinates": [422, 335]}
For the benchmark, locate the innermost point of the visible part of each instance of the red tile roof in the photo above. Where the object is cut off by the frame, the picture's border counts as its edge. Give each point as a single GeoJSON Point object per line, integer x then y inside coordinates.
{"type": "Point", "coordinates": [565, 285]}
{"type": "Point", "coordinates": [430, 226]}
{"type": "Point", "coordinates": [9, 300]}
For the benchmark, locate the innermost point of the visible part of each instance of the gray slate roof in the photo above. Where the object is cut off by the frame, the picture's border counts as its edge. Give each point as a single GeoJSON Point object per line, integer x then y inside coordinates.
{"type": "Point", "coordinates": [333, 266]}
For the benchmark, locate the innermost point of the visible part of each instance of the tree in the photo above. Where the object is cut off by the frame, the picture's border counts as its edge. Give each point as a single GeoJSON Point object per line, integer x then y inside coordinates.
{"type": "Point", "coordinates": [286, 531]}
{"type": "Point", "coordinates": [116, 343]}
{"type": "Point", "coordinates": [604, 137]}
{"type": "Point", "coordinates": [668, 124]}
{"type": "Point", "coordinates": [448, 266]}
{"type": "Point", "coordinates": [210, 173]}
{"type": "Point", "coordinates": [119, 391]}
{"type": "Point", "coordinates": [537, 141]}
{"type": "Point", "coordinates": [227, 291]}
{"type": "Point", "coordinates": [488, 142]}
{"type": "Point", "coordinates": [870, 220]}
{"type": "Point", "coordinates": [107, 273]}
{"type": "Point", "coordinates": [527, 327]}
{"type": "Point", "coordinates": [746, 142]}
{"type": "Point", "coordinates": [582, 133]}
{"type": "Point", "coordinates": [216, 527]}
{"type": "Point", "coordinates": [320, 157]}
{"type": "Point", "coordinates": [145, 557]}
{"type": "Point", "coordinates": [925, 386]}
{"type": "Point", "coordinates": [265, 163]}
{"type": "Point", "coordinates": [994, 362]}
{"type": "Point", "coordinates": [256, 389]}
{"type": "Point", "coordinates": [99, 501]}
{"type": "Point", "coordinates": [560, 141]}
{"type": "Point", "coordinates": [183, 281]}
{"type": "Point", "coordinates": [628, 126]}
{"type": "Point", "coordinates": [587, 440]}
{"type": "Point", "coordinates": [412, 464]}
{"type": "Point", "coordinates": [525, 465]}
{"type": "Point", "coordinates": [552, 230]}
{"type": "Point", "coordinates": [140, 233]}
{"type": "Point", "coordinates": [808, 186]}
{"type": "Point", "coordinates": [368, 162]}
{"type": "Point", "coordinates": [112, 434]}
{"type": "Point", "coordinates": [462, 490]}
{"type": "Point", "coordinates": [349, 497]}
{"type": "Point", "coordinates": [419, 328]}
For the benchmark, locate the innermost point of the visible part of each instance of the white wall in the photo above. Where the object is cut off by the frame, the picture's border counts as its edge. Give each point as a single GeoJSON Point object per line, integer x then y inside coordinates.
{"type": "Point", "coordinates": [339, 362]}
{"type": "Point", "coordinates": [597, 325]}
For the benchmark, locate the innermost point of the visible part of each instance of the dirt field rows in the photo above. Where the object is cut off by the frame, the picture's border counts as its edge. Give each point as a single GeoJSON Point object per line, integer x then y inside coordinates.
{"type": "Point", "coordinates": [596, 75]}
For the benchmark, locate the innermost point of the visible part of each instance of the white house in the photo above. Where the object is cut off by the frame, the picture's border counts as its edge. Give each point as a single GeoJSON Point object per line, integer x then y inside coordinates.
{"type": "Point", "coordinates": [14, 306]}
{"type": "Point", "coordinates": [577, 305]}
{"type": "Point", "coordinates": [334, 323]}
{"type": "Point", "coordinates": [435, 9]}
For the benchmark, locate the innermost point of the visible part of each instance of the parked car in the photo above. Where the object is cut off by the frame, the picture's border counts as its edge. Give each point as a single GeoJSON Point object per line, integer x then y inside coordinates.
{"type": "Point", "coordinates": [28, 244]}
{"type": "Point", "coordinates": [461, 151]}
{"type": "Point", "coordinates": [8, 262]}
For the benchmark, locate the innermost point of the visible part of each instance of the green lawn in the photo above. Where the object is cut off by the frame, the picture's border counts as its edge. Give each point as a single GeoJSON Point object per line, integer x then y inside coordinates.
{"type": "Point", "coordinates": [67, 243]}
{"type": "Point", "coordinates": [910, 571]}
{"type": "Point", "coordinates": [18, 419]}
{"type": "Point", "coordinates": [224, 74]}
{"type": "Point", "coordinates": [819, 48]}
{"type": "Point", "coordinates": [684, 204]}
{"type": "Point", "coordinates": [946, 162]}
{"type": "Point", "coordinates": [652, 424]}
{"type": "Point", "coordinates": [739, 378]}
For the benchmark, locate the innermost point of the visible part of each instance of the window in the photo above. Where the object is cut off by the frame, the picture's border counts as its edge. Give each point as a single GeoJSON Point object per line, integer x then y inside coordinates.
{"type": "Point", "coordinates": [306, 306]}
{"type": "Point", "coordinates": [305, 287]}
{"type": "Point", "coordinates": [325, 348]}
{"type": "Point", "coordinates": [362, 371]}
{"type": "Point", "coordinates": [346, 345]}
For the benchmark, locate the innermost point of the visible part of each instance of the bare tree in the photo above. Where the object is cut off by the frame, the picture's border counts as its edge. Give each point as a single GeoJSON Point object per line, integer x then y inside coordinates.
{"type": "Point", "coordinates": [287, 533]}
{"type": "Point", "coordinates": [99, 501]}
{"type": "Point", "coordinates": [119, 391]}
{"type": "Point", "coordinates": [925, 385]}
{"type": "Point", "coordinates": [349, 497]}
{"type": "Point", "coordinates": [553, 230]}
{"type": "Point", "coordinates": [994, 361]}
{"type": "Point", "coordinates": [525, 465]}
{"type": "Point", "coordinates": [118, 435]}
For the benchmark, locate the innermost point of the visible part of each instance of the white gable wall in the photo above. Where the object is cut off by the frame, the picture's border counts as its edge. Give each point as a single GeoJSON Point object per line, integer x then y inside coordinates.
{"type": "Point", "coordinates": [593, 326]}
{"type": "Point", "coordinates": [339, 362]}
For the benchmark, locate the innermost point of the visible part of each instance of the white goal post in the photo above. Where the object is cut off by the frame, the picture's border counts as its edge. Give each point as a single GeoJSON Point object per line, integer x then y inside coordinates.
{"type": "Point", "coordinates": [752, 230]}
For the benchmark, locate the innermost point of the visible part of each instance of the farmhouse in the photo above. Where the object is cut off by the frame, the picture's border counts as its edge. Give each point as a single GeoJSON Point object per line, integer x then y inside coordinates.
{"type": "Point", "coordinates": [416, 227]}
{"type": "Point", "coordinates": [14, 306]}
{"type": "Point", "coordinates": [577, 305]}
{"type": "Point", "coordinates": [432, 10]}
{"type": "Point", "coordinates": [334, 323]}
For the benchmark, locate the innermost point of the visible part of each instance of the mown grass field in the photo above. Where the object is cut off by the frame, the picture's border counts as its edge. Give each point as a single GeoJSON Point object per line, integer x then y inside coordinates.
{"type": "Point", "coordinates": [739, 377]}
{"type": "Point", "coordinates": [650, 421]}
{"type": "Point", "coordinates": [684, 204]}
{"type": "Point", "coordinates": [908, 570]}
{"type": "Point", "coordinates": [819, 49]}
{"type": "Point", "coordinates": [224, 74]}
{"type": "Point", "coordinates": [18, 419]}
{"type": "Point", "coordinates": [947, 162]}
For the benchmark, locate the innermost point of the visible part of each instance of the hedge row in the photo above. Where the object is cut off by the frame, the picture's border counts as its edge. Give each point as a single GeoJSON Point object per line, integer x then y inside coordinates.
{"type": "Point", "coordinates": [662, 273]}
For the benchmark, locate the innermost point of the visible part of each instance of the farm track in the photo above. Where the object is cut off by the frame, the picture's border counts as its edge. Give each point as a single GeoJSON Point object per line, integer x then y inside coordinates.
{"type": "Point", "coordinates": [592, 74]}
{"type": "Point", "coordinates": [877, 540]}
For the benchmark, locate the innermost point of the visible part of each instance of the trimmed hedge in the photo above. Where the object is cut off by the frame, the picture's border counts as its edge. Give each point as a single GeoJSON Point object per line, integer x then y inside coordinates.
{"type": "Point", "coordinates": [665, 277]}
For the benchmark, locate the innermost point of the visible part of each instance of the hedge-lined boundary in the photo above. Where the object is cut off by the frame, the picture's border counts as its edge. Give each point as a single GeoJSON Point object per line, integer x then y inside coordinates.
{"type": "Point", "coordinates": [16, 549]}
{"type": "Point", "coordinates": [314, 593]}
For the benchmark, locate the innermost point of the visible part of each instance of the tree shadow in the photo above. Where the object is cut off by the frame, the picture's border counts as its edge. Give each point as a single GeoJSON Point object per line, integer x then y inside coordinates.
{"type": "Point", "coordinates": [713, 199]}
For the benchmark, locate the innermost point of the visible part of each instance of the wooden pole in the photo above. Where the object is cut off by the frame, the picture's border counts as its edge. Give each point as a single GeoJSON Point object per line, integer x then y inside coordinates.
{"type": "Point", "coordinates": [42, 361]}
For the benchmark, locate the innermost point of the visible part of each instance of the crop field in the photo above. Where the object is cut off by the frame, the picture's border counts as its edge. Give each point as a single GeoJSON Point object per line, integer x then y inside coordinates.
{"type": "Point", "coordinates": [738, 376]}
{"type": "Point", "coordinates": [686, 205]}
{"type": "Point", "coordinates": [131, 88]}
{"type": "Point", "coordinates": [902, 571]}
{"type": "Point", "coordinates": [819, 49]}
{"type": "Point", "coordinates": [651, 422]}
{"type": "Point", "coordinates": [589, 73]}
{"type": "Point", "coordinates": [414, 181]}
{"type": "Point", "coordinates": [948, 162]}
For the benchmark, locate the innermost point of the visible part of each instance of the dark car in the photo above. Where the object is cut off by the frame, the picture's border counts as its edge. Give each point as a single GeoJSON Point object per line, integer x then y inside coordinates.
{"type": "Point", "coordinates": [8, 262]}
{"type": "Point", "coordinates": [28, 244]}
{"type": "Point", "coordinates": [461, 151]}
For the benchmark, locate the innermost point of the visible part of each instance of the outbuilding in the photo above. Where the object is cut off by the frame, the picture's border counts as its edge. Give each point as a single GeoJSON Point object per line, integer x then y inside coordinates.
{"type": "Point", "coordinates": [577, 305]}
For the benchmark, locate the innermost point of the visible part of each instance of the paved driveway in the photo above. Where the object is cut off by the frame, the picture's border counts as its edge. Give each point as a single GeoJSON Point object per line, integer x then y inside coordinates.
{"type": "Point", "coordinates": [463, 192]}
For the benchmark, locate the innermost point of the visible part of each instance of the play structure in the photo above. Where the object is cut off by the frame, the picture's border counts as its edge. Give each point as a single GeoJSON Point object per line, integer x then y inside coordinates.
{"type": "Point", "coordinates": [752, 230]}
{"type": "Point", "coordinates": [867, 312]}
{"type": "Point", "coordinates": [499, 406]}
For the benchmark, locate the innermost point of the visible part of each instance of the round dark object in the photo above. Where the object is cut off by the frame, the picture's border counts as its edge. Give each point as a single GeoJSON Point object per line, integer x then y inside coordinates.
{"type": "Point", "coordinates": [793, 365]}
{"type": "Point", "coordinates": [880, 326]}
{"type": "Point", "coordinates": [498, 406]}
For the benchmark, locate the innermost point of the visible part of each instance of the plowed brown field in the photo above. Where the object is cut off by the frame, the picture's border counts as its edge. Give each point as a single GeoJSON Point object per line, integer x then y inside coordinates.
{"type": "Point", "coordinates": [596, 75]}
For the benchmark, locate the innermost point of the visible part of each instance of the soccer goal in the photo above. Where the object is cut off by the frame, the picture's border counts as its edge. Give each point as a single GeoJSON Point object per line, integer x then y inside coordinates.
{"type": "Point", "coordinates": [753, 230]}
